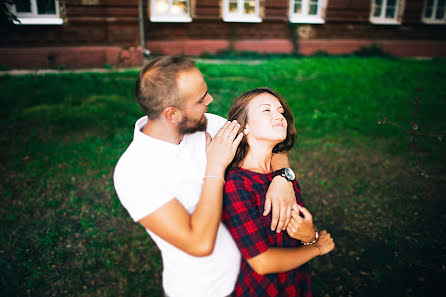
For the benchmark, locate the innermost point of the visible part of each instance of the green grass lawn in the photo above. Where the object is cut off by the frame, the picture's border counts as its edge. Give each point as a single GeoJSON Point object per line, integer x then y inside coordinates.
{"type": "Point", "coordinates": [64, 232]}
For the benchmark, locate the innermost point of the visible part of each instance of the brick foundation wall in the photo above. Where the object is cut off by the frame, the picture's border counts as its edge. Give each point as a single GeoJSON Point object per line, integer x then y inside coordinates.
{"type": "Point", "coordinates": [71, 57]}
{"type": "Point", "coordinates": [400, 48]}
{"type": "Point", "coordinates": [98, 56]}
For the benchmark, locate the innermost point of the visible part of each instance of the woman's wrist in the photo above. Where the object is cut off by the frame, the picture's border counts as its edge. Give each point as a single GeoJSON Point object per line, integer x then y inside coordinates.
{"type": "Point", "coordinates": [319, 250]}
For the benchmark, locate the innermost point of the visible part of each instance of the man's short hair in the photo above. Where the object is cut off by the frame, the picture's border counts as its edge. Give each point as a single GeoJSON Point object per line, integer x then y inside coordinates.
{"type": "Point", "coordinates": [156, 86]}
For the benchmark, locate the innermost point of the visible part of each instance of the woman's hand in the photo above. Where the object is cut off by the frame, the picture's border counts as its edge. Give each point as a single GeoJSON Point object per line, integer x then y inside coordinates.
{"type": "Point", "coordinates": [301, 228]}
{"type": "Point", "coordinates": [325, 243]}
{"type": "Point", "coordinates": [221, 150]}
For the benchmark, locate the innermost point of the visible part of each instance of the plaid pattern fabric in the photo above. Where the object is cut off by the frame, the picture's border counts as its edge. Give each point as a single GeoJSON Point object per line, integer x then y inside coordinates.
{"type": "Point", "coordinates": [243, 205]}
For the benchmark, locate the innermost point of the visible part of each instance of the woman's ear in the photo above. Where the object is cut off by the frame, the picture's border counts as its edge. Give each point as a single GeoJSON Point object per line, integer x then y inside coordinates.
{"type": "Point", "coordinates": [246, 131]}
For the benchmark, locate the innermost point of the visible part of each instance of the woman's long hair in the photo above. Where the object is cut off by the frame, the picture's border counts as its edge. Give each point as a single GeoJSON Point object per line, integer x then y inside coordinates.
{"type": "Point", "coordinates": [239, 112]}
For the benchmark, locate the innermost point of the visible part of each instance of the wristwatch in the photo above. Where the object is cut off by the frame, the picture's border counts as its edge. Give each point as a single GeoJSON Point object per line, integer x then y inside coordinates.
{"type": "Point", "coordinates": [287, 173]}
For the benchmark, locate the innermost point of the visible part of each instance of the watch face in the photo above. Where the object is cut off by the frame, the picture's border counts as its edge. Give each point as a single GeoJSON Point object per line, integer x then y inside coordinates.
{"type": "Point", "coordinates": [289, 174]}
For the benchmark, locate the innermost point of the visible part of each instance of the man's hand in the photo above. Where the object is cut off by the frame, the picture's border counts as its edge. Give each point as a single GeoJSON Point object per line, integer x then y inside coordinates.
{"type": "Point", "coordinates": [281, 198]}
{"type": "Point", "coordinates": [301, 228]}
{"type": "Point", "coordinates": [221, 150]}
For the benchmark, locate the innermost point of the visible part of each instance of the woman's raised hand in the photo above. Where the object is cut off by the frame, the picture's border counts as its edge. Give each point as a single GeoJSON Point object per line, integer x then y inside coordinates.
{"type": "Point", "coordinates": [325, 243]}
{"type": "Point", "coordinates": [221, 150]}
{"type": "Point", "coordinates": [301, 228]}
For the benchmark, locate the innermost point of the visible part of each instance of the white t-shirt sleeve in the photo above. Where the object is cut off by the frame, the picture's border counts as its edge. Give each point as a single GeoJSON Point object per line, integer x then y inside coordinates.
{"type": "Point", "coordinates": [141, 194]}
{"type": "Point", "coordinates": [215, 122]}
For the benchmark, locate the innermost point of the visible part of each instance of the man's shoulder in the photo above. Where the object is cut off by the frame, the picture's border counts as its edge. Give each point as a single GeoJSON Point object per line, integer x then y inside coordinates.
{"type": "Point", "coordinates": [137, 160]}
{"type": "Point", "coordinates": [215, 122]}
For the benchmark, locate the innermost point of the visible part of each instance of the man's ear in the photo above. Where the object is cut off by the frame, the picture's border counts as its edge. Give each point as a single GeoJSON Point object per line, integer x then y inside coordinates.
{"type": "Point", "coordinates": [172, 114]}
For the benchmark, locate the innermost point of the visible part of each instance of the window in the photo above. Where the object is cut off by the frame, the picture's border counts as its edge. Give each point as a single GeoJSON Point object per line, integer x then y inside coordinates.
{"type": "Point", "coordinates": [387, 12]}
{"type": "Point", "coordinates": [307, 11]}
{"type": "Point", "coordinates": [434, 12]}
{"type": "Point", "coordinates": [246, 11]}
{"type": "Point", "coordinates": [37, 12]}
{"type": "Point", "coordinates": [175, 11]}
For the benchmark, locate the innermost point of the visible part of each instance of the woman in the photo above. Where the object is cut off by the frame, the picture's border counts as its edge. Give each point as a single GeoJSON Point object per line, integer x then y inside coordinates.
{"type": "Point", "coordinates": [273, 264]}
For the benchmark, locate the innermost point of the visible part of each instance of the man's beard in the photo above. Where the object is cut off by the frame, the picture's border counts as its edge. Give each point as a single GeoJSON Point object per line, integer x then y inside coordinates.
{"type": "Point", "coordinates": [188, 126]}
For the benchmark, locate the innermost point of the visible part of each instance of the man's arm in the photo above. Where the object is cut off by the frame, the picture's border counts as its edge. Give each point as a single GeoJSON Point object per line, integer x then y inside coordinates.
{"type": "Point", "coordinates": [195, 233]}
{"type": "Point", "coordinates": [280, 195]}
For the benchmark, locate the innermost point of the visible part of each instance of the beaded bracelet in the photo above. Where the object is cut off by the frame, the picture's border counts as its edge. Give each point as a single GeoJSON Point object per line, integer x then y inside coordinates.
{"type": "Point", "coordinates": [316, 237]}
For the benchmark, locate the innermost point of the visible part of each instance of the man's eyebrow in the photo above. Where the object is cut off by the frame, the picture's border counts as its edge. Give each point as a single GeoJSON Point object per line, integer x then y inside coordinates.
{"type": "Point", "coordinates": [201, 99]}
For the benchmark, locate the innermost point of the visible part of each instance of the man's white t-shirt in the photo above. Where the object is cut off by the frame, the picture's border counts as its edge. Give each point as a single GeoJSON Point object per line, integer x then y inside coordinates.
{"type": "Point", "coordinates": [152, 172]}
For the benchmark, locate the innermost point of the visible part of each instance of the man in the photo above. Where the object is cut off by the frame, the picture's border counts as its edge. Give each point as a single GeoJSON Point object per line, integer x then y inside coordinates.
{"type": "Point", "coordinates": [170, 179]}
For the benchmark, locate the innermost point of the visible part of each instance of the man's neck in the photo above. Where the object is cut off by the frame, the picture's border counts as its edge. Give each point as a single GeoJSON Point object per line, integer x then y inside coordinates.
{"type": "Point", "coordinates": [161, 129]}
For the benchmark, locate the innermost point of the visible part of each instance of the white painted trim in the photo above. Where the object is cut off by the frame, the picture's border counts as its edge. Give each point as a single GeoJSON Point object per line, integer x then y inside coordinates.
{"type": "Point", "coordinates": [33, 18]}
{"type": "Point", "coordinates": [432, 20]}
{"type": "Point", "coordinates": [384, 21]}
{"type": "Point", "coordinates": [171, 19]}
{"type": "Point", "coordinates": [381, 19]}
{"type": "Point", "coordinates": [240, 16]}
{"type": "Point", "coordinates": [242, 19]}
{"type": "Point", "coordinates": [39, 21]}
{"type": "Point", "coordinates": [306, 19]}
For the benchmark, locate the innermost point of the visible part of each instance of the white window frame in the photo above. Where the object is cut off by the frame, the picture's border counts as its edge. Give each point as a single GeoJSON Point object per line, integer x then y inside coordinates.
{"type": "Point", "coordinates": [169, 17]}
{"type": "Point", "coordinates": [304, 17]}
{"type": "Point", "coordinates": [240, 16]}
{"type": "Point", "coordinates": [382, 20]}
{"type": "Point", "coordinates": [432, 20]}
{"type": "Point", "coordinates": [33, 18]}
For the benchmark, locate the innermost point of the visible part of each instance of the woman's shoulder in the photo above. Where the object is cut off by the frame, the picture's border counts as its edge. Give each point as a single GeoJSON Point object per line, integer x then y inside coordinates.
{"type": "Point", "coordinates": [246, 178]}
{"type": "Point", "coordinates": [236, 174]}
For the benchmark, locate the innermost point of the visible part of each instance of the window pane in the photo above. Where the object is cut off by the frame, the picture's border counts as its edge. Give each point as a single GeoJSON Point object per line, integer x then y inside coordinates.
{"type": "Point", "coordinates": [440, 13]}
{"type": "Point", "coordinates": [428, 12]}
{"type": "Point", "coordinates": [440, 9]}
{"type": "Point", "coordinates": [46, 6]}
{"type": "Point", "coordinates": [250, 7]}
{"type": "Point", "coordinates": [312, 9]}
{"type": "Point", "coordinates": [23, 6]}
{"type": "Point", "coordinates": [390, 12]}
{"type": "Point", "coordinates": [179, 7]}
{"type": "Point", "coordinates": [377, 11]}
{"type": "Point", "coordinates": [391, 2]}
{"type": "Point", "coordinates": [233, 6]}
{"type": "Point", "coordinates": [298, 7]}
{"type": "Point", "coordinates": [161, 6]}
